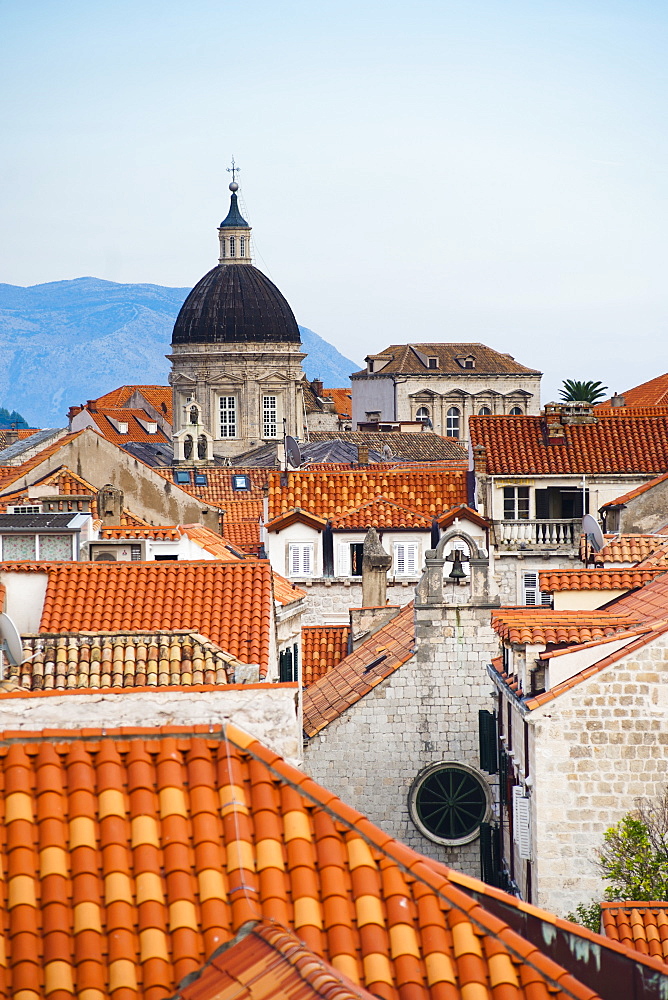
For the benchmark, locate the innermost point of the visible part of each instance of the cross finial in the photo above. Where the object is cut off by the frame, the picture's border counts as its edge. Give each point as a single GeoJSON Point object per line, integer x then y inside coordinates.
{"type": "Point", "coordinates": [234, 170]}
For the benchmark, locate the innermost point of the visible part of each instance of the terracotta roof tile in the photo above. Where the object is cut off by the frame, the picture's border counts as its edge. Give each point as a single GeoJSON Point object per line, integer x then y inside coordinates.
{"type": "Point", "coordinates": [285, 591]}
{"type": "Point", "coordinates": [382, 513]}
{"type": "Point", "coordinates": [219, 489]}
{"type": "Point", "coordinates": [359, 672]}
{"type": "Point", "coordinates": [244, 535]}
{"type": "Point", "coordinates": [535, 626]}
{"type": "Point", "coordinates": [627, 548]}
{"type": "Point", "coordinates": [22, 433]}
{"type": "Point", "coordinates": [106, 418]}
{"type": "Point", "coordinates": [68, 484]}
{"type": "Point", "coordinates": [129, 858]}
{"type": "Point", "coordinates": [517, 446]}
{"type": "Point", "coordinates": [331, 494]}
{"type": "Point", "coordinates": [18, 471]}
{"type": "Point", "coordinates": [596, 579]}
{"type": "Point", "coordinates": [227, 602]}
{"type": "Point", "coordinates": [158, 532]}
{"type": "Point", "coordinates": [267, 963]}
{"type": "Point", "coordinates": [462, 512]}
{"type": "Point", "coordinates": [651, 393]}
{"type": "Point", "coordinates": [649, 603]}
{"type": "Point", "coordinates": [323, 647]}
{"type": "Point", "coordinates": [638, 925]}
{"type": "Point", "coordinates": [159, 396]}
{"type": "Point", "coordinates": [119, 660]}
{"type": "Point", "coordinates": [343, 401]}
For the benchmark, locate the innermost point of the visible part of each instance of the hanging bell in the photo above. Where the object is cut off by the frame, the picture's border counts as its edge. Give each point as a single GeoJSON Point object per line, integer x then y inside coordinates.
{"type": "Point", "coordinates": [457, 572]}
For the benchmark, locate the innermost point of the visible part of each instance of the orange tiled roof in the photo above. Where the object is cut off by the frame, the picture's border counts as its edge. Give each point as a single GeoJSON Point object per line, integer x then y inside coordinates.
{"type": "Point", "coordinates": [331, 494]}
{"type": "Point", "coordinates": [637, 641]}
{"type": "Point", "coordinates": [638, 925]}
{"type": "Point", "coordinates": [104, 417]}
{"type": "Point", "coordinates": [244, 535]}
{"type": "Point", "coordinates": [159, 532]}
{"type": "Point", "coordinates": [536, 626]}
{"type": "Point", "coordinates": [21, 432]}
{"type": "Point", "coordinates": [649, 603]}
{"type": "Point", "coordinates": [211, 542]}
{"type": "Point", "coordinates": [462, 512]}
{"type": "Point", "coordinates": [651, 393]}
{"type": "Point", "coordinates": [130, 857]}
{"type": "Point", "coordinates": [120, 660]}
{"type": "Point", "coordinates": [228, 603]}
{"type": "Point", "coordinates": [343, 401]}
{"type": "Point", "coordinates": [638, 491]}
{"type": "Point", "coordinates": [323, 647]}
{"type": "Point", "coordinates": [159, 396]}
{"type": "Point", "coordinates": [17, 471]}
{"type": "Point", "coordinates": [382, 513]}
{"type": "Point", "coordinates": [627, 444]}
{"type": "Point", "coordinates": [219, 490]}
{"type": "Point", "coordinates": [628, 548]}
{"type": "Point", "coordinates": [268, 963]}
{"type": "Point", "coordinates": [346, 683]}
{"type": "Point", "coordinates": [596, 579]}
{"type": "Point", "coordinates": [285, 591]}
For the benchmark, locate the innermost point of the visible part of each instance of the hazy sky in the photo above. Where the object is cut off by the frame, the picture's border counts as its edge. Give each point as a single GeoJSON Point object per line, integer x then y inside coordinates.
{"type": "Point", "coordinates": [484, 170]}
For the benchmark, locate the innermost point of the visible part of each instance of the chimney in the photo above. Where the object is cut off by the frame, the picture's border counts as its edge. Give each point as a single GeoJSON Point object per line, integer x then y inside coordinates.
{"type": "Point", "coordinates": [212, 518]}
{"type": "Point", "coordinates": [316, 385]}
{"type": "Point", "coordinates": [553, 423]}
{"type": "Point", "coordinates": [362, 454]}
{"type": "Point", "coordinates": [479, 460]}
{"type": "Point", "coordinates": [375, 564]}
{"type": "Point", "coordinates": [617, 401]}
{"type": "Point", "coordinates": [11, 436]}
{"type": "Point", "coordinates": [110, 505]}
{"type": "Point", "coordinates": [91, 405]}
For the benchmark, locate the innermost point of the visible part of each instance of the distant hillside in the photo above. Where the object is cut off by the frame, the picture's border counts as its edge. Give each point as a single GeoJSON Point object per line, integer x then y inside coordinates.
{"type": "Point", "coordinates": [64, 342]}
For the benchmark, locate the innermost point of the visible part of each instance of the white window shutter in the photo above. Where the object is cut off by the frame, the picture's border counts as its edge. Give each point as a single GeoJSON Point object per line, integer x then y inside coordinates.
{"type": "Point", "coordinates": [399, 558]}
{"type": "Point", "coordinates": [411, 559]}
{"type": "Point", "coordinates": [307, 560]}
{"type": "Point", "coordinates": [522, 822]}
{"type": "Point", "coordinates": [343, 560]}
{"type": "Point", "coordinates": [294, 560]}
{"type": "Point", "coordinates": [530, 587]}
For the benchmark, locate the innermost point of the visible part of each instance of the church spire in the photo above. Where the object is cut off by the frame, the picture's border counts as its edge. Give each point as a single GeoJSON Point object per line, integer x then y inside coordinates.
{"type": "Point", "coordinates": [234, 231]}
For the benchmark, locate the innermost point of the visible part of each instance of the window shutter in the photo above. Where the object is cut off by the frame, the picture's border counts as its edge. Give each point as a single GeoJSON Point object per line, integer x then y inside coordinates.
{"type": "Point", "coordinates": [522, 822]}
{"type": "Point", "coordinates": [530, 587]}
{"type": "Point", "coordinates": [411, 559]}
{"type": "Point", "coordinates": [307, 560]}
{"type": "Point", "coordinates": [487, 740]}
{"type": "Point", "coordinates": [490, 855]}
{"type": "Point", "coordinates": [294, 560]}
{"type": "Point", "coordinates": [399, 559]}
{"type": "Point", "coordinates": [343, 550]}
{"type": "Point", "coordinates": [542, 505]}
{"type": "Point", "coordinates": [503, 777]}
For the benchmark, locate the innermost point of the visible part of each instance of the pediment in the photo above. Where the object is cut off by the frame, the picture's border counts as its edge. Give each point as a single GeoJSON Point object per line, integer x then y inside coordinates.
{"type": "Point", "coordinates": [178, 378]}
{"type": "Point", "coordinates": [274, 376]}
{"type": "Point", "coordinates": [519, 392]}
{"type": "Point", "coordinates": [424, 394]}
{"type": "Point", "coordinates": [223, 379]}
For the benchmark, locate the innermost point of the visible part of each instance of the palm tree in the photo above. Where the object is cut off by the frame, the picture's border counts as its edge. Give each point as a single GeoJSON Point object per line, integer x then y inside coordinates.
{"type": "Point", "coordinates": [574, 391]}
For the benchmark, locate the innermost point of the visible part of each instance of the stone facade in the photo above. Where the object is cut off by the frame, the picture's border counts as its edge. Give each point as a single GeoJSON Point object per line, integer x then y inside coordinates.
{"type": "Point", "coordinates": [425, 713]}
{"type": "Point", "coordinates": [592, 751]}
{"type": "Point", "coordinates": [328, 602]}
{"type": "Point", "coordinates": [266, 711]}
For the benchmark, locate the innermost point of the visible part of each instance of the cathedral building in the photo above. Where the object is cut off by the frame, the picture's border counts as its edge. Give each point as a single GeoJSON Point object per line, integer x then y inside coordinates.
{"type": "Point", "coordinates": [236, 357]}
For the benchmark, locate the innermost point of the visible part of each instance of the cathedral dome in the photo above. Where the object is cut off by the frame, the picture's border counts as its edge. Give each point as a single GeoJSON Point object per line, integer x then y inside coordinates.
{"type": "Point", "coordinates": [235, 303]}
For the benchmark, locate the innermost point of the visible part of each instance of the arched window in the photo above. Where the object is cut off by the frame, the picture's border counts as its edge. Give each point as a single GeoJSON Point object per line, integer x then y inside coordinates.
{"type": "Point", "coordinates": [422, 414]}
{"type": "Point", "coordinates": [484, 411]}
{"type": "Point", "coordinates": [516, 411]}
{"type": "Point", "coordinates": [452, 423]}
{"type": "Point", "coordinates": [242, 246]}
{"type": "Point", "coordinates": [232, 248]}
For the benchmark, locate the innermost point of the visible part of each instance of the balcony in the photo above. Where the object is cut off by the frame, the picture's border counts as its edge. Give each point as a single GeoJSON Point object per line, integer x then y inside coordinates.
{"type": "Point", "coordinates": [541, 534]}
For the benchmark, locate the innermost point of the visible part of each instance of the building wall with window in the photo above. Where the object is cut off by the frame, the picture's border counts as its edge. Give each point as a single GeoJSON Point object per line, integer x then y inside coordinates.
{"type": "Point", "coordinates": [581, 760]}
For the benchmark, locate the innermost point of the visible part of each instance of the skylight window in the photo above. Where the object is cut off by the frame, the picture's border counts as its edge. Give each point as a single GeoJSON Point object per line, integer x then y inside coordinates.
{"type": "Point", "coordinates": [201, 479]}
{"type": "Point", "coordinates": [182, 477]}
{"type": "Point", "coordinates": [241, 482]}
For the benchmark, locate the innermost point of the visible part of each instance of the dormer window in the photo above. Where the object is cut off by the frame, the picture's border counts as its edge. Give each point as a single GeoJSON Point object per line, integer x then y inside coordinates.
{"type": "Point", "coordinates": [468, 362]}
{"type": "Point", "coordinates": [122, 427]}
{"type": "Point", "coordinates": [433, 362]}
{"type": "Point", "coordinates": [370, 367]}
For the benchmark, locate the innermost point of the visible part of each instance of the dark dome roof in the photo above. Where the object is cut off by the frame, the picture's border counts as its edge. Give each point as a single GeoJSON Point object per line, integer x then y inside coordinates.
{"type": "Point", "coordinates": [235, 303]}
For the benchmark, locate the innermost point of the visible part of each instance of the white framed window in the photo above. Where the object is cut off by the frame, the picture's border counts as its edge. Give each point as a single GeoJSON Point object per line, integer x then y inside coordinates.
{"type": "Point", "coordinates": [516, 503]}
{"type": "Point", "coordinates": [269, 417]}
{"type": "Point", "coordinates": [422, 414]}
{"type": "Point", "coordinates": [516, 411]}
{"type": "Point", "coordinates": [300, 558]}
{"type": "Point", "coordinates": [484, 411]}
{"type": "Point", "coordinates": [452, 422]}
{"type": "Point", "coordinates": [25, 508]}
{"type": "Point", "coordinates": [232, 247]}
{"type": "Point", "coordinates": [228, 416]}
{"type": "Point", "coordinates": [405, 558]}
{"type": "Point", "coordinates": [522, 822]}
{"type": "Point", "coordinates": [242, 246]}
{"type": "Point", "coordinates": [531, 595]}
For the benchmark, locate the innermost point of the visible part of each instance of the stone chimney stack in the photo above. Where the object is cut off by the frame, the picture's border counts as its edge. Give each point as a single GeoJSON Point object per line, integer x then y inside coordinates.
{"type": "Point", "coordinates": [479, 460]}
{"type": "Point", "coordinates": [110, 505]}
{"type": "Point", "coordinates": [375, 564]}
{"type": "Point", "coordinates": [363, 454]}
{"type": "Point", "coordinates": [212, 518]}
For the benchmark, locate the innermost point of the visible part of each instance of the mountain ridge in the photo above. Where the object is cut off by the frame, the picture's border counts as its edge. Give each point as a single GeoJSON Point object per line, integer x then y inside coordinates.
{"type": "Point", "coordinates": [63, 342]}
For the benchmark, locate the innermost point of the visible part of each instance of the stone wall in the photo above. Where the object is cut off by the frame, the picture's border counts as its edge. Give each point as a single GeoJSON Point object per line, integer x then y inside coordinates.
{"type": "Point", "coordinates": [329, 601]}
{"type": "Point", "coordinates": [594, 750]}
{"type": "Point", "coordinates": [267, 712]}
{"type": "Point", "coordinates": [508, 570]}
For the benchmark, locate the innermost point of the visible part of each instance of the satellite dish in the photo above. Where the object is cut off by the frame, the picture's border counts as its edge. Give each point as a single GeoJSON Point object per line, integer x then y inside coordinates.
{"type": "Point", "coordinates": [592, 529]}
{"type": "Point", "coordinates": [10, 640]}
{"type": "Point", "coordinates": [292, 452]}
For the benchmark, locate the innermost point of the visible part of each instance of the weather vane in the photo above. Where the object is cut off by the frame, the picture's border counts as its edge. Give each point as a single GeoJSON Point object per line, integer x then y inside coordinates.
{"type": "Point", "coordinates": [234, 170]}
